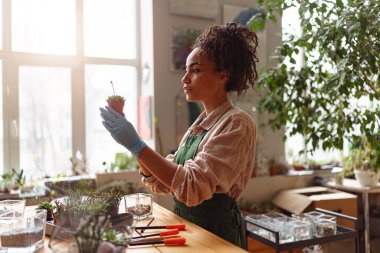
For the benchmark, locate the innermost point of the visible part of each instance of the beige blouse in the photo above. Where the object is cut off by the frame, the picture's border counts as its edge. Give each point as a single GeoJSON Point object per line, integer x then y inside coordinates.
{"type": "Point", "coordinates": [224, 160]}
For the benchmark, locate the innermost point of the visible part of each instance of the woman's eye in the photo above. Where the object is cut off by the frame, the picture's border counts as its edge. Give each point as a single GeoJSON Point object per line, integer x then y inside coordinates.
{"type": "Point", "coordinates": [195, 70]}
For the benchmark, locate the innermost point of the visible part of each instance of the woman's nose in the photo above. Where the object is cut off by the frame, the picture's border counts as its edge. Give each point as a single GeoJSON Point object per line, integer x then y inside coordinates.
{"type": "Point", "coordinates": [185, 78]}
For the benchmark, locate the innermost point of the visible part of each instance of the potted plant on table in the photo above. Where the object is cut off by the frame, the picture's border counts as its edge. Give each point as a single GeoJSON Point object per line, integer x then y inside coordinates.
{"type": "Point", "coordinates": [69, 210]}
{"type": "Point", "coordinates": [49, 209]}
{"type": "Point", "coordinates": [362, 162]}
{"type": "Point", "coordinates": [18, 181]}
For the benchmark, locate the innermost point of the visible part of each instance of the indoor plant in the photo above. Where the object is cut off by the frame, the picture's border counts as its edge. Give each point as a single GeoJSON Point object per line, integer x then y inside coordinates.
{"type": "Point", "coordinates": [124, 161]}
{"type": "Point", "coordinates": [18, 181]}
{"type": "Point", "coordinates": [116, 102]}
{"type": "Point", "coordinates": [333, 97]}
{"type": "Point", "coordinates": [49, 209]}
{"type": "Point", "coordinates": [69, 210]}
{"type": "Point", "coordinates": [362, 162]}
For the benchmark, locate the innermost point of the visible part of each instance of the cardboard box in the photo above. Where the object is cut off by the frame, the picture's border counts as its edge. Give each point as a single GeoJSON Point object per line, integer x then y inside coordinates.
{"type": "Point", "coordinates": [308, 199]}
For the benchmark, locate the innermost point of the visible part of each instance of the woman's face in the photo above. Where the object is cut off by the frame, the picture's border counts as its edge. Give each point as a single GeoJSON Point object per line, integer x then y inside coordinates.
{"type": "Point", "coordinates": [201, 81]}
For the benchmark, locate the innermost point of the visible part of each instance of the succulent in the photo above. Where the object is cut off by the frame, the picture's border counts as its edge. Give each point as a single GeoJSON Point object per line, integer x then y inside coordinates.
{"type": "Point", "coordinates": [116, 99]}
{"type": "Point", "coordinates": [45, 205]}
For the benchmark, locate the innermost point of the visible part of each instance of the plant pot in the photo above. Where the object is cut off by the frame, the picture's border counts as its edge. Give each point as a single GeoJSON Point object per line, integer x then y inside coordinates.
{"type": "Point", "coordinates": [367, 177]}
{"type": "Point", "coordinates": [117, 106]}
{"type": "Point", "coordinates": [49, 214]}
{"type": "Point", "coordinates": [113, 208]}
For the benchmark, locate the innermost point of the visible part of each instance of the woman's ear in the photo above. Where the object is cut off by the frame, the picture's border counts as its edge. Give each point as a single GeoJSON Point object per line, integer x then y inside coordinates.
{"type": "Point", "coordinates": [224, 74]}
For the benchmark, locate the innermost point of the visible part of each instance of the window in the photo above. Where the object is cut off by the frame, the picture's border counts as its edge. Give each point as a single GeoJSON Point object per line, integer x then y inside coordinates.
{"type": "Point", "coordinates": [59, 57]}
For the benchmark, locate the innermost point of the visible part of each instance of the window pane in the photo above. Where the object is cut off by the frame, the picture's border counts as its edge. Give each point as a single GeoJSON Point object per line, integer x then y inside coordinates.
{"type": "Point", "coordinates": [45, 120]}
{"type": "Point", "coordinates": [110, 28]}
{"type": "Point", "coordinates": [43, 26]}
{"type": "Point", "coordinates": [100, 146]}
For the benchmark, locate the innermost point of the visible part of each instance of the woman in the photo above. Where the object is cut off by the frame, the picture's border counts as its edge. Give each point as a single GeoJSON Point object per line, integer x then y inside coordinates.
{"type": "Point", "coordinates": [215, 159]}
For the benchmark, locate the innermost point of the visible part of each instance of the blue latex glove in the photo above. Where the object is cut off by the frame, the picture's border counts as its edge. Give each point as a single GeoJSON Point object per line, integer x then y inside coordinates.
{"type": "Point", "coordinates": [122, 130]}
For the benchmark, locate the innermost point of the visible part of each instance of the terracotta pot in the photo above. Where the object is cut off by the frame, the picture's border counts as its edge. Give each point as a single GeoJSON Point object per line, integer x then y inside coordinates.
{"type": "Point", "coordinates": [117, 106]}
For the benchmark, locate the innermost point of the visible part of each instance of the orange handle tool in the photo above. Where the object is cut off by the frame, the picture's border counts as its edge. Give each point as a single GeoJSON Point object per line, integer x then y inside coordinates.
{"type": "Point", "coordinates": [168, 242]}
{"type": "Point", "coordinates": [163, 233]}
{"type": "Point", "coordinates": [172, 226]}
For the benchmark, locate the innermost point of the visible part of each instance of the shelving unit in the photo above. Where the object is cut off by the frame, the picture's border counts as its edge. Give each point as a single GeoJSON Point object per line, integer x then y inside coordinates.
{"type": "Point", "coordinates": [342, 233]}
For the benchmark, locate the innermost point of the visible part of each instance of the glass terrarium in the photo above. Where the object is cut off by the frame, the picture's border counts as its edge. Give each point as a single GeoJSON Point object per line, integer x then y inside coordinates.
{"type": "Point", "coordinates": [285, 225]}
{"type": "Point", "coordinates": [140, 205]}
{"type": "Point", "coordinates": [260, 219]}
{"type": "Point", "coordinates": [301, 230]}
{"type": "Point", "coordinates": [25, 233]}
{"type": "Point", "coordinates": [325, 227]}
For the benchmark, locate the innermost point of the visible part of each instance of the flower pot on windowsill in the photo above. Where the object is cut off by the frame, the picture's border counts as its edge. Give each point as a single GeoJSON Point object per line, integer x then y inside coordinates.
{"type": "Point", "coordinates": [367, 177]}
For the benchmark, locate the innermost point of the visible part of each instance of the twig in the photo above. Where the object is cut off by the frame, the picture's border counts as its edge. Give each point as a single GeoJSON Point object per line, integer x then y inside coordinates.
{"type": "Point", "coordinates": [112, 88]}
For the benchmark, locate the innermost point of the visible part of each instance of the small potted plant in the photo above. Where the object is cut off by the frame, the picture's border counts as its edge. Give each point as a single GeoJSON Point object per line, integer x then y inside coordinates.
{"type": "Point", "coordinates": [6, 181]}
{"type": "Point", "coordinates": [116, 102]}
{"type": "Point", "coordinates": [112, 197]}
{"type": "Point", "coordinates": [49, 209]}
{"type": "Point", "coordinates": [362, 161]}
{"type": "Point", "coordinates": [70, 209]}
{"type": "Point", "coordinates": [18, 181]}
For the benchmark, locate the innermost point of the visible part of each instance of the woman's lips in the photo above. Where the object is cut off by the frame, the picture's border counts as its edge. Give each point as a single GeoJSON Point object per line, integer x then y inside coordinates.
{"type": "Point", "coordinates": [186, 89]}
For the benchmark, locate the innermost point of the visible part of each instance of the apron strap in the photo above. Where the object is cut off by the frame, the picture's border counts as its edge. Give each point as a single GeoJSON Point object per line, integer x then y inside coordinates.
{"type": "Point", "coordinates": [189, 150]}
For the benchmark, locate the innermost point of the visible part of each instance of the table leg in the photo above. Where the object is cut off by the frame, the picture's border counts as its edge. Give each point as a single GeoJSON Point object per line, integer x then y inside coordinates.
{"type": "Point", "coordinates": [366, 222]}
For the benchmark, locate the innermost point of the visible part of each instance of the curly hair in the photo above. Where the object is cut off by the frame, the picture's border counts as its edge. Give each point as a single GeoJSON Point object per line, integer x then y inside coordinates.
{"type": "Point", "coordinates": [231, 47]}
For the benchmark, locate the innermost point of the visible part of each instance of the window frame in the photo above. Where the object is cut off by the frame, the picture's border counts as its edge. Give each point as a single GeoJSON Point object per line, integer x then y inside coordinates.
{"type": "Point", "coordinates": [10, 67]}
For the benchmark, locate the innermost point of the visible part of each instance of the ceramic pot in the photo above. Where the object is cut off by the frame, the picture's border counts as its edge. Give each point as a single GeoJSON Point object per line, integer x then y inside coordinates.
{"type": "Point", "coordinates": [367, 177]}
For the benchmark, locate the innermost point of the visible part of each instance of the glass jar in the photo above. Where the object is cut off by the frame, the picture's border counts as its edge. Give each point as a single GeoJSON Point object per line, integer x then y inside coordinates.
{"type": "Point", "coordinates": [325, 227]}
{"type": "Point", "coordinates": [140, 205]}
{"type": "Point", "coordinates": [261, 220]}
{"type": "Point", "coordinates": [285, 228]}
{"type": "Point", "coordinates": [311, 217]}
{"type": "Point", "coordinates": [301, 230]}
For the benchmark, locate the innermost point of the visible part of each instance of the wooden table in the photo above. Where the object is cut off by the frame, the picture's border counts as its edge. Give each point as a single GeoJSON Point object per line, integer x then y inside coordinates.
{"type": "Point", "coordinates": [198, 239]}
{"type": "Point", "coordinates": [352, 185]}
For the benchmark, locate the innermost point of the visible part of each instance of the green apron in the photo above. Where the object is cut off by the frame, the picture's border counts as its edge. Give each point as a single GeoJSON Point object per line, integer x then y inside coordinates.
{"type": "Point", "coordinates": [220, 214]}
